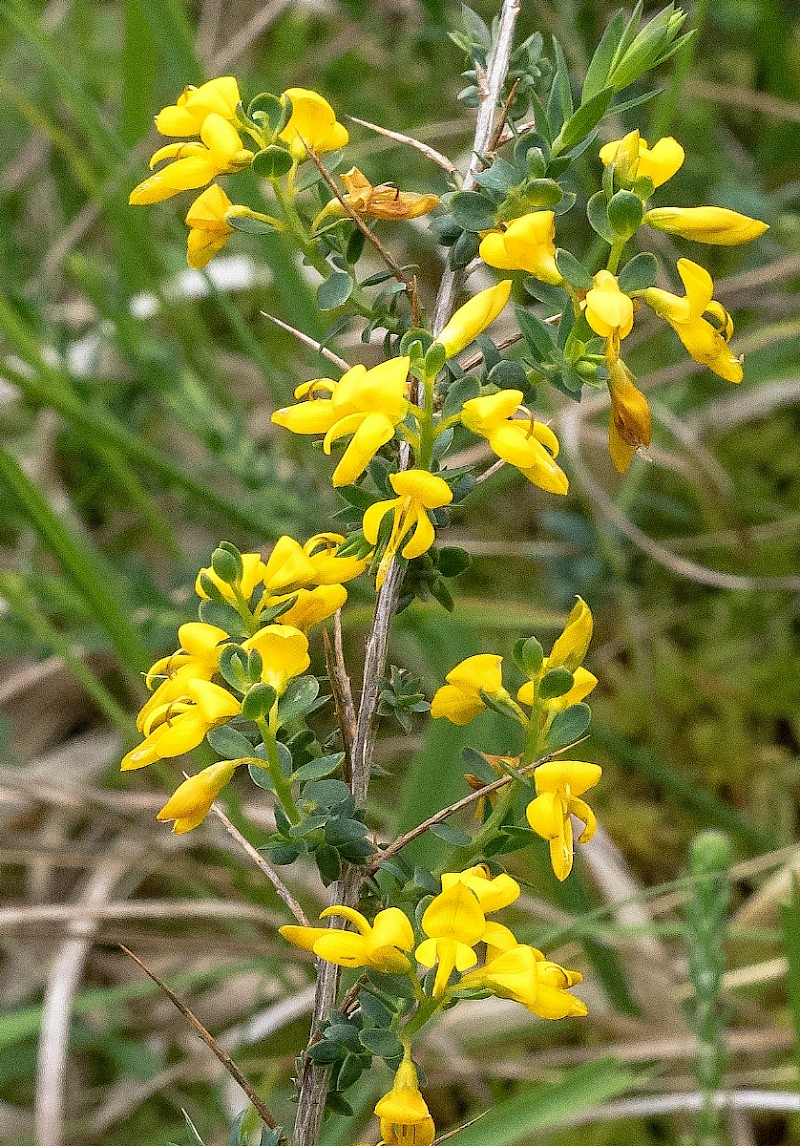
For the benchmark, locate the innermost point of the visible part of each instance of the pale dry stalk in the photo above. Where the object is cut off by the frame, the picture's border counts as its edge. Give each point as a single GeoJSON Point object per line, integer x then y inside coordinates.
{"type": "Point", "coordinates": [314, 1081]}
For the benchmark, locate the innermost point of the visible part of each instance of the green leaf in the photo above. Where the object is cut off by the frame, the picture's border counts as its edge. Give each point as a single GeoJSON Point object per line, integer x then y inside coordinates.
{"type": "Point", "coordinates": [334, 291]}
{"type": "Point", "coordinates": [597, 214]}
{"type": "Point", "coordinates": [191, 1131]}
{"type": "Point", "coordinates": [320, 768]}
{"type": "Point", "coordinates": [638, 274]}
{"type": "Point", "coordinates": [273, 162]}
{"type": "Point", "coordinates": [383, 1043]}
{"type": "Point", "coordinates": [581, 125]}
{"type": "Point", "coordinates": [329, 863]}
{"type": "Point", "coordinates": [250, 226]}
{"type": "Point", "coordinates": [569, 725]}
{"type": "Point", "coordinates": [259, 701]}
{"type": "Point", "coordinates": [573, 271]}
{"type": "Point", "coordinates": [463, 390]}
{"type": "Point", "coordinates": [625, 213]}
{"type": "Point", "coordinates": [472, 211]}
{"type": "Point", "coordinates": [451, 834]}
{"type": "Point", "coordinates": [555, 683]}
{"type": "Point", "coordinates": [267, 108]}
{"type": "Point", "coordinates": [452, 561]}
{"type": "Point", "coordinates": [261, 777]}
{"type": "Point", "coordinates": [537, 335]}
{"type": "Point", "coordinates": [328, 793]}
{"type": "Point", "coordinates": [229, 743]}
{"type": "Point", "coordinates": [299, 698]}
{"type": "Point", "coordinates": [597, 72]}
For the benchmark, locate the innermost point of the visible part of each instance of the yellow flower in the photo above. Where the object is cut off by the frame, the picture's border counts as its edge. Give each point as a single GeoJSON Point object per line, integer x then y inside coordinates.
{"type": "Point", "coordinates": [417, 492]}
{"type": "Point", "coordinates": [329, 567]}
{"type": "Point", "coordinates": [311, 605]}
{"type": "Point", "coordinates": [405, 1118]}
{"type": "Point", "coordinates": [454, 923]}
{"type": "Point", "coordinates": [716, 225]}
{"type": "Point", "coordinates": [284, 651]}
{"type": "Point", "coordinates": [707, 342]}
{"type": "Point", "coordinates": [527, 244]}
{"type": "Point", "coordinates": [180, 725]}
{"type": "Point", "coordinates": [460, 700]}
{"type": "Point", "coordinates": [253, 574]}
{"type": "Point", "coordinates": [559, 783]}
{"type": "Point", "coordinates": [568, 652]}
{"type": "Point", "coordinates": [473, 317]}
{"type": "Point", "coordinates": [191, 801]}
{"type": "Point", "coordinates": [188, 114]}
{"type": "Point", "coordinates": [492, 893]}
{"type": "Point", "coordinates": [609, 311]}
{"type": "Point", "coordinates": [526, 444]}
{"type": "Point", "coordinates": [523, 974]}
{"type": "Point", "coordinates": [378, 945]}
{"type": "Point", "coordinates": [629, 424]}
{"type": "Point", "coordinates": [209, 230]}
{"type": "Point", "coordinates": [288, 566]}
{"type": "Point", "coordinates": [382, 202]}
{"type": "Point", "coordinates": [659, 163]}
{"type": "Point", "coordinates": [195, 164]}
{"type": "Point", "coordinates": [196, 659]}
{"type": "Point", "coordinates": [312, 124]}
{"type": "Point", "coordinates": [367, 404]}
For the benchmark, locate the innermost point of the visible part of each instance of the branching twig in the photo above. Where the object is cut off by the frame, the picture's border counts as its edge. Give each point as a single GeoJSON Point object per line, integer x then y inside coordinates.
{"type": "Point", "coordinates": [368, 234]}
{"type": "Point", "coordinates": [307, 340]}
{"type": "Point", "coordinates": [261, 863]}
{"type": "Point", "coordinates": [423, 148]}
{"type": "Point", "coordinates": [263, 1110]}
{"type": "Point", "coordinates": [494, 786]}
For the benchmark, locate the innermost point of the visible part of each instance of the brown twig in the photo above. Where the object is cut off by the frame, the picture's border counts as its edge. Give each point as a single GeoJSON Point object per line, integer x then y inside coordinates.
{"type": "Point", "coordinates": [307, 340]}
{"type": "Point", "coordinates": [397, 845]}
{"type": "Point", "coordinates": [342, 701]}
{"type": "Point", "coordinates": [497, 134]}
{"type": "Point", "coordinates": [423, 148]}
{"type": "Point", "coordinates": [458, 1129]}
{"type": "Point", "coordinates": [368, 234]}
{"type": "Point", "coordinates": [262, 865]}
{"type": "Point", "coordinates": [263, 1111]}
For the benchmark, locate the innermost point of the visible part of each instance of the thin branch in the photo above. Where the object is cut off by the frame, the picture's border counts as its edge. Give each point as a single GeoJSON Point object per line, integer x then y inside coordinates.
{"type": "Point", "coordinates": [262, 865]}
{"type": "Point", "coordinates": [307, 340]}
{"type": "Point", "coordinates": [492, 470]}
{"type": "Point", "coordinates": [423, 148]}
{"type": "Point", "coordinates": [368, 234]}
{"type": "Point", "coordinates": [496, 71]}
{"type": "Point", "coordinates": [489, 789]}
{"type": "Point", "coordinates": [340, 687]}
{"type": "Point", "coordinates": [263, 1111]}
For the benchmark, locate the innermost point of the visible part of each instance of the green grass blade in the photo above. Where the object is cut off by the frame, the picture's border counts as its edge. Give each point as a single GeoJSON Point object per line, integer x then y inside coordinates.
{"type": "Point", "coordinates": [790, 924]}
{"type": "Point", "coordinates": [86, 568]}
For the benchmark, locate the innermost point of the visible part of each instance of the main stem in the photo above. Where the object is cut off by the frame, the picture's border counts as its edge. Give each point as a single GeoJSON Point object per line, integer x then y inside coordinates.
{"type": "Point", "coordinates": [346, 891]}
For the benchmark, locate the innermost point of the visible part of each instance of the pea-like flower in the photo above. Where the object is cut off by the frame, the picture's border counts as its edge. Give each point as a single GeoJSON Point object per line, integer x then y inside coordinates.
{"type": "Point", "coordinates": [386, 201]}
{"type": "Point", "coordinates": [523, 974]}
{"type": "Point", "coordinates": [365, 404]}
{"type": "Point", "coordinates": [403, 1112]}
{"type": "Point", "coordinates": [492, 892]}
{"type": "Point", "coordinates": [284, 652]}
{"type": "Point", "coordinates": [379, 945]}
{"type": "Point", "coordinates": [568, 652]}
{"type": "Point", "coordinates": [473, 317]}
{"type": "Point", "coordinates": [527, 244]}
{"type": "Point", "coordinates": [312, 124]}
{"type": "Point", "coordinates": [189, 112]}
{"type": "Point", "coordinates": [417, 492]}
{"type": "Point", "coordinates": [658, 163]}
{"type": "Point", "coordinates": [197, 658]}
{"type": "Point", "coordinates": [524, 443]}
{"type": "Point", "coordinates": [609, 312]}
{"type": "Point", "coordinates": [629, 425]}
{"type": "Point", "coordinates": [454, 923]}
{"type": "Point", "coordinates": [209, 230]}
{"type": "Point", "coordinates": [311, 605]}
{"type": "Point", "coordinates": [191, 801]}
{"type": "Point", "coordinates": [194, 164]}
{"type": "Point", "coordinates": [706, 341]}
{"type": "Point", "coordinates": [559, 784]}
{"type": "Point", "coordinates": [715, 225]}
{"type": "Point", "coordinates": [180, 725]}
{"type": "Point", "coordinates": [329, 568]}
{"type": "Point", "coordinates": [461, 699]}
{"type": "Point", "coordinates": [253, 570]}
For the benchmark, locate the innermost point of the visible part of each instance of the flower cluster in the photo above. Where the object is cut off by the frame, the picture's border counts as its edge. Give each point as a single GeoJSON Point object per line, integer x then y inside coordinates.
{"type": "Point", "coordinates": [204, 684]}
{"type": "Point", "coordinates": [556, 684]}
{"type": "Point", "coordinates": [454, 924]}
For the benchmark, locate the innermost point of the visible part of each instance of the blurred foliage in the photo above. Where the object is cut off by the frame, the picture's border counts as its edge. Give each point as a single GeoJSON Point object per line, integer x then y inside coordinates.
{"type": "Point", "coordinates": [136, 400]}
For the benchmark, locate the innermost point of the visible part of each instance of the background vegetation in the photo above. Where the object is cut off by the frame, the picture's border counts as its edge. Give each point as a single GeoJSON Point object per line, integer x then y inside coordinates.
{"type": "Point", "coordinates": [134, 434]}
